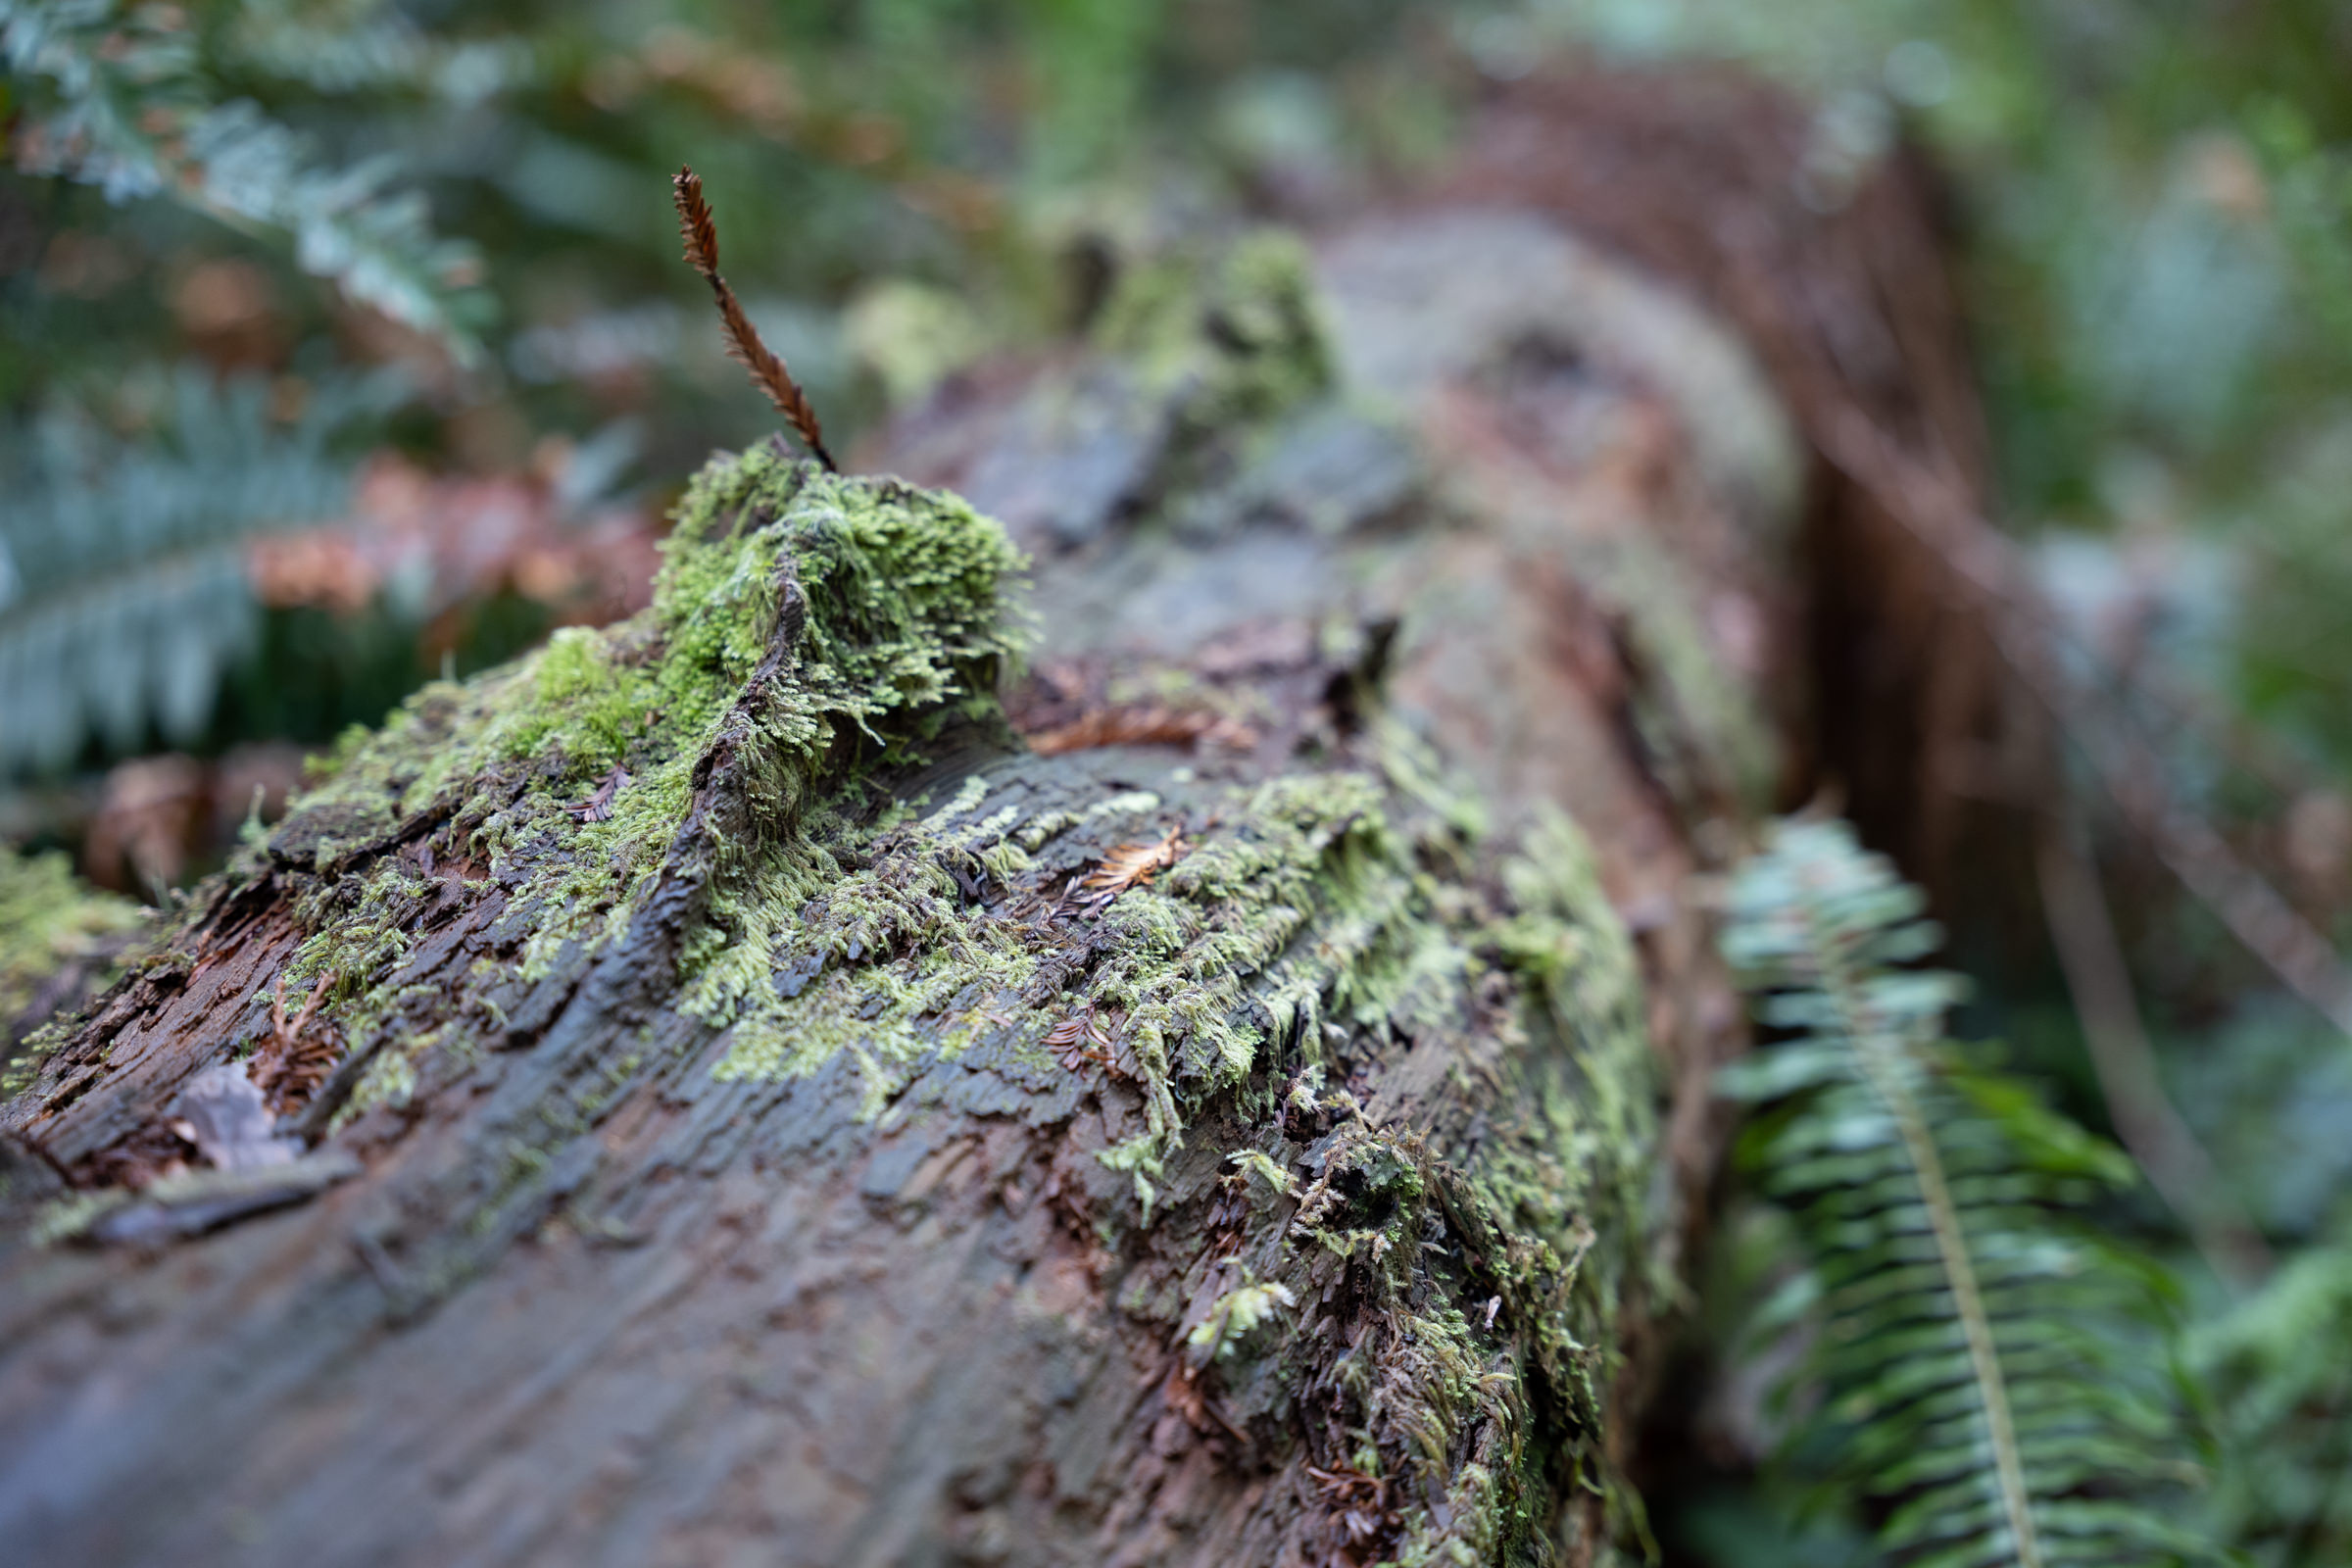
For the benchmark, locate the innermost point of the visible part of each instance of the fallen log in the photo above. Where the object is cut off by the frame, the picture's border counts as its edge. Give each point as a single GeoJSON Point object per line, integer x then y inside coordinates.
{"type": "Point", "coordinates": [713, 1090]}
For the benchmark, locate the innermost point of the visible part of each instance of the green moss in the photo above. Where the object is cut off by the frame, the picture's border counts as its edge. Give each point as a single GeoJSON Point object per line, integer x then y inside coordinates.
{"type": "Point", "coordinates": [878, 612]}
{"type": "Point", "coordinates": [390, 1079]}
{"type": "Point", "coordinates": [1589, 1151]}
{"type": "Point", "coordinates": [1267, 1170]}
{"type": "Point", "coordinates": [49, 921]}
{"type": "Point", "coordinates": [1236, 1315]}
{"type": "Point", "coordinates": [583, 700]}
{"type": "Point", "coordinates": [1229, 339]}
{"type": "Point", "coordinates": [358, 943]}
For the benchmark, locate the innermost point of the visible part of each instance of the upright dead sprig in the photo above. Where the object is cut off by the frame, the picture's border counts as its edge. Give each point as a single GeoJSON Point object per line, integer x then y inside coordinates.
{"type": "Point", "coordinates": [744, 345]}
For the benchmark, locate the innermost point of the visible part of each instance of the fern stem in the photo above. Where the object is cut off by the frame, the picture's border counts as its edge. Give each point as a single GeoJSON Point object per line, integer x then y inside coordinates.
{"type": "Point", "coordinates": [1880, 1060]}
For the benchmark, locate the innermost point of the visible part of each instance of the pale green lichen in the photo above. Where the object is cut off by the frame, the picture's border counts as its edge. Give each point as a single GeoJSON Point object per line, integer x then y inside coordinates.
{"type": "Point", "coordinates": [1281, 1181]}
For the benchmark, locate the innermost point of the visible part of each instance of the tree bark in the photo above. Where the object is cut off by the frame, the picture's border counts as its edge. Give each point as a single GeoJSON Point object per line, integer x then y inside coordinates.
{"type": "Point", "coordinates": [735, 1101]}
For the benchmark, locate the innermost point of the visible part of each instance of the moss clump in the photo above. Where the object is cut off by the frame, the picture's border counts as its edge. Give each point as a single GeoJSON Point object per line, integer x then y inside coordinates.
{"type": "Point", "coordinates": [812, 627]}
{"type": "Point", "coordinates": [1598, 1116]}
{"type": "Point", "coordinates": [1228, 341]}
{"type": "Point", "coordinates": [49, 922]}
{"type": "Point", "coordinates": [50, 919]}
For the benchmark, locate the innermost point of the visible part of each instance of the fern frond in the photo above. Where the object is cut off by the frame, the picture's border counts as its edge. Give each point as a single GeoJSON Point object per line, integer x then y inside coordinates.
{"type": "Point", "coordinates": [119, 98]}
{"type": "Point", "coordinates": [364, 46]}
{"type": "Point", "coordinates": [1975, 1344]}
{"type": "Point", "coordinates": [2274, 1367]}
{"type": "Point", "coordinates": [122, 584]}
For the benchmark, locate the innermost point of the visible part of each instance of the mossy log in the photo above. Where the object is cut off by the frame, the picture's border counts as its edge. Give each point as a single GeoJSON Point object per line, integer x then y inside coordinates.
{"type": "Point", "coordinates": [732, 1098]}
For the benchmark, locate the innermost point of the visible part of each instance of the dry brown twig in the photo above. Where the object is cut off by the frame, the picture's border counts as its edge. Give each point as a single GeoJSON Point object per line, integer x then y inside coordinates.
{"type": "Point", "coordinates": [744, 344]}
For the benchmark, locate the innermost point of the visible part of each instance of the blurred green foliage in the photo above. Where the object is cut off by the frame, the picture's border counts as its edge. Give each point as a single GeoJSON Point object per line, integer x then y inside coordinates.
{"type": "Point", "coordinates": [2155, 198]}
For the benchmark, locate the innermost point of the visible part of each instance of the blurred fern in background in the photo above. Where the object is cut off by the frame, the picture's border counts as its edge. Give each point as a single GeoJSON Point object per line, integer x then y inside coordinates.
{"type": "Point", "coordinates": [122, 581]}
{"type": "Point", "coordinates": [1990, 1374]}
{"type": "Point", "coordinates": [138, 100]}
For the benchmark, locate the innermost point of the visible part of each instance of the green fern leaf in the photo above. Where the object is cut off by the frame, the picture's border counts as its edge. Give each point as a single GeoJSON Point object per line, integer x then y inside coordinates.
{"type": "Point", "coordinates": [372, 46]}
{"type": "Point", "coordinates": [1993, 1377]}
{"type": "Point", "coordinates": [120, 97]}
{"type": "Point", "coordinates": [123, 585]}
{"type": "Point", "coordinates": [2275, 1368]}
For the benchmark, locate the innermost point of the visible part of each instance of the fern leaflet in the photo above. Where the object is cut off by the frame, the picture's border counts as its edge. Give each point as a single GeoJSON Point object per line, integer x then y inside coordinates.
{"type": "Point", "coordinates": [122, 584]}
{"type": "Point", "coordinates": [121, 98]}
{"type": "Point", "coordinates": [1993, 1377]}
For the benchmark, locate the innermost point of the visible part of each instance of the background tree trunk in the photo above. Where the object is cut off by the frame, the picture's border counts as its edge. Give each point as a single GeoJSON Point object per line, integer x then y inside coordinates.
{"type": "Point", "coordinates": [757, 1109]}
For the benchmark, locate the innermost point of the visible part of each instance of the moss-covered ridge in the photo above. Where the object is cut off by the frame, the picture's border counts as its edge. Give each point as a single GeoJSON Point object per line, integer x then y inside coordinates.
{"type": "Point", "coordinates": [805, 627]}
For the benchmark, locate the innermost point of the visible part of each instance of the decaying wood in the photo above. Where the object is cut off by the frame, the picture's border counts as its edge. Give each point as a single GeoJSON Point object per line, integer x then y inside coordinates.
{"type": "Point", "coordinates": [1449, 529]}
{"type": "Point", "coordinates": [1831, 264]}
